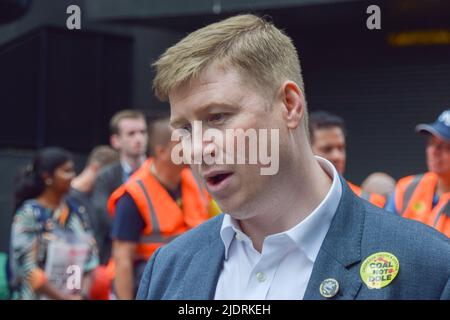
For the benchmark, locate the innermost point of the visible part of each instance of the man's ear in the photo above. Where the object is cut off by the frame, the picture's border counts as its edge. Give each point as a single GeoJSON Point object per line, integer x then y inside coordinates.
{"type": "Point", "coordinates": [114, 141]}
{"type": "Point", "coordinates": [294, 103]}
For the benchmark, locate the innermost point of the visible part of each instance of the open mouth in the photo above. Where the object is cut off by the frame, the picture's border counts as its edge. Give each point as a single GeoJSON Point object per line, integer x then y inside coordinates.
{"type": "Point", "coordinates": [218, 178]}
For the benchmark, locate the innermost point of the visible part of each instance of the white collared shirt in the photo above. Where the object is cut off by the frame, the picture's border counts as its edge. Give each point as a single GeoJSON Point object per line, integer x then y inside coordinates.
{"type": "Point", "coordinates": [127, 170]}
{"type": "Point", "coordinates": [283, 268]}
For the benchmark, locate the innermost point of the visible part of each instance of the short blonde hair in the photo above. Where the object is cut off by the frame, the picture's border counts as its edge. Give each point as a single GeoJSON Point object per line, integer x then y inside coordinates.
{"type": "Point", "coordinates": [253, 46]}
{"type": "Point", "coordinates": [249, 43]}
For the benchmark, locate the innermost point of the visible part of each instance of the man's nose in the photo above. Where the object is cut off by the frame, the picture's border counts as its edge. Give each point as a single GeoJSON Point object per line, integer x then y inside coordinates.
{"type": "Point", "coordinates": [336, 155]}
{"type": "Point", "coordinates": [202, 146]}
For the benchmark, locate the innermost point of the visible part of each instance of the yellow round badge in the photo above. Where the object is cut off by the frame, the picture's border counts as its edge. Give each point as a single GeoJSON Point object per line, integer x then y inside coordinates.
{"type": "Point", "coordinates": [378, 270]}
{"type": "Point", "coordinates": [418, 206]}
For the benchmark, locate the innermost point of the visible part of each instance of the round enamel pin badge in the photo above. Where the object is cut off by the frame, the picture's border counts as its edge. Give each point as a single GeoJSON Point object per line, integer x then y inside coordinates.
{"type": "Point", "coordinates": [379, 269]}
{"type": "Point", "coordinates": [329, 288]}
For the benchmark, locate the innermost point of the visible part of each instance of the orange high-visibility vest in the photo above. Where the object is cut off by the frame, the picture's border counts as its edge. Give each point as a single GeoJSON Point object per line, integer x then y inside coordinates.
{"type": "Point", "coordinates": [163, 217]}
{"type": "Point", "coordinates": [373, 198]}
{"type": "Point", "coordinates": [414, 200]}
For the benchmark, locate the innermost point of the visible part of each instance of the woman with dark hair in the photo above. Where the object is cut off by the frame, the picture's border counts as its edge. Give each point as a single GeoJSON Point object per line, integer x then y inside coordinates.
{"type": "Point", "coordinates": [49, 232]}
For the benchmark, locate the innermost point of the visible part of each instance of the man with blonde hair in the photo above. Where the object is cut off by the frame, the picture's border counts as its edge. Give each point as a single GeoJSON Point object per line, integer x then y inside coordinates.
{"type": "Point", "coordinates": [297, 234]}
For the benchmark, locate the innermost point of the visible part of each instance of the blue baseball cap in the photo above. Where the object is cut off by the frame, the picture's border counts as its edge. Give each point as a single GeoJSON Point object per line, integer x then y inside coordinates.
{"type": "Point", "coordinates": [440, 128]}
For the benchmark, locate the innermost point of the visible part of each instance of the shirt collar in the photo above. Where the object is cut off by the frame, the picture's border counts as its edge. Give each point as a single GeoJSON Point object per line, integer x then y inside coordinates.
{"type": "Point", "coordinates": [126, 167]}
{"type": "Point", "coordinates": [128, 170]}
{"type": "Point", "coordinates": [307, 235]}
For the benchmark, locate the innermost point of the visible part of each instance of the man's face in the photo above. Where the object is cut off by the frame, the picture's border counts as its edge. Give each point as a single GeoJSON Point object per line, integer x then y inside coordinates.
{"type": "Point", "coordinates": [438, 155]}
{"type": "Point", "coordinates": [132, 137]}
{"type": "Point", "coordinates": [221, 100]}
{"type": "Point", "coordinates": [329, 143]}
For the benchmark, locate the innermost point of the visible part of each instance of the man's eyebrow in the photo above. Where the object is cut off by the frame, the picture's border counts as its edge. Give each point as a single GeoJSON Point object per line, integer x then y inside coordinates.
{"type": "Point", "coordinates": [209, 106]}
{"type": "Point", "coordinates": [178, 122]}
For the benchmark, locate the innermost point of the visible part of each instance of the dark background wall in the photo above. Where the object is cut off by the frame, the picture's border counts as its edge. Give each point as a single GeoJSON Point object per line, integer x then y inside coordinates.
{"type": "Point", "coordinates": [60, 87]}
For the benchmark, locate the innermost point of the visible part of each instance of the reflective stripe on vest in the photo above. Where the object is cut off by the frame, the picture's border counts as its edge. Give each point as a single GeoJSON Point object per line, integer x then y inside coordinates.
{"type": "Point", "coordinates": [444, 210]}
{"type": "Point", "coordinates": [415, 200]}
{"type": "Point", "coordinates": [156, 236]}
{"type": "Point", "coordinates": [155, 223]}
{"type": "Point", "coordinates": [153, 217]}
{"type": "Point", "coordinates": [410, 191]}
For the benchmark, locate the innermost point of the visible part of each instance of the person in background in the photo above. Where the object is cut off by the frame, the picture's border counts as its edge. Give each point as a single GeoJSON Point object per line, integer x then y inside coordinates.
{"type": "Point", "coordinates": [129, 136]}
{"type": "Point", "coordinates": [426, 197]}
{"type": "Point", "coordinates": [161, 201]}
{"type": "Point", "coordinates": [380, 183]}
{"type": "Point", "coordinates": [327, 134]}
{"type": "Point", "coordinates": [83, 184]}
{"type": "Point", "coordinates": [43, 218]}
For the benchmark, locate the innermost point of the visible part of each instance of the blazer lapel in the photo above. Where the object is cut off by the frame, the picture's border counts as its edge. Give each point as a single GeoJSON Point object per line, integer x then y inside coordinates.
{"type": "Point", "coordinates": [204, 268]}
{"type": "Point", "coordinates": [340, 250]}
{"type": "Point", "coordinates": [327, 267]}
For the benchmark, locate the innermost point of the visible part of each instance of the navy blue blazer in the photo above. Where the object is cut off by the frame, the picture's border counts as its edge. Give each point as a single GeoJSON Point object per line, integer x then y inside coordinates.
{"type": "Point", "coordinates": [189, 267]}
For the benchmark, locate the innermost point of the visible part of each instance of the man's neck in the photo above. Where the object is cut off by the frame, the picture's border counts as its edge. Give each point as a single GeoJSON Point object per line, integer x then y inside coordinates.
{"type": "Point", "coordinates": [133, 162]}
{"type": "Point", "coordinates": [292, 203]}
